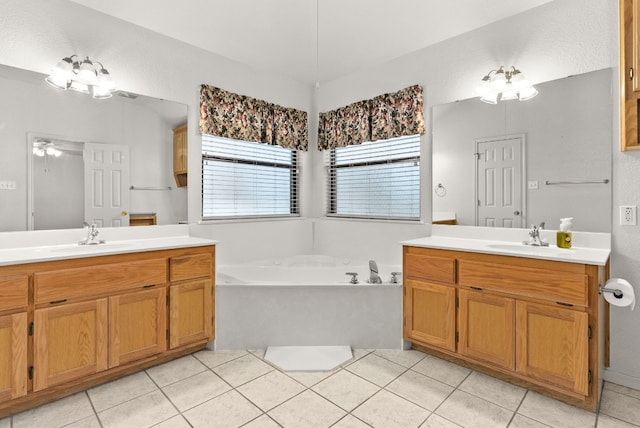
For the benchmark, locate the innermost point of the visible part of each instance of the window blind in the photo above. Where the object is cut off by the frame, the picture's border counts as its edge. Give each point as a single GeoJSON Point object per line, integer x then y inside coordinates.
{"type": "Point", "coordinates": [379, 179]}
{"type": "Point", "coordinates": [247, 179]}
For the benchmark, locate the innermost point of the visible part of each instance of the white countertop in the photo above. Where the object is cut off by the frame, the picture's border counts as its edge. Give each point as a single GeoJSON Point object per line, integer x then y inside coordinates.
{"type": "Point", "coordinates": [490, 241]}
{"type": "Point", "coordinates": [31, 248]}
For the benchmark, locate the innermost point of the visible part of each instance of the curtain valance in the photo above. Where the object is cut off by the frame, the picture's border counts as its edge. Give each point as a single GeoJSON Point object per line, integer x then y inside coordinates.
{"type": "Point", "coordinates": [240, 117]}
{"type": "Point", "coordinates": [385, 116]}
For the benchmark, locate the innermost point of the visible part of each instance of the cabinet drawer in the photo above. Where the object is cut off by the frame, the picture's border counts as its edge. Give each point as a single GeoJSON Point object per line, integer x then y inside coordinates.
{"type": "Point", "coordinates": [564, 287]}
{"type": "Point", "coordinates": [96, 280]}
{"type": "Point", "coordinates": [14, 292]}
{"type": "Point", "coordinates": [190, 266]}
{"type": "Point", "coordinates": [430, 268]}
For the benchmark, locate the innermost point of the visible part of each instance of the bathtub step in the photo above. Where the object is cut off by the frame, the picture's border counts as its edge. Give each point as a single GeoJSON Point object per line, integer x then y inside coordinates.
{"type": "Point", "coordinates": [307, 358]}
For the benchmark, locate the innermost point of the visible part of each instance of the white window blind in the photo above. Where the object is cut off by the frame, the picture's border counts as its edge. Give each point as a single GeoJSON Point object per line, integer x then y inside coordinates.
{"type": "Point", "coordinates": [379, 179]}
{"type": "Point", "coordinates": [246, 179]}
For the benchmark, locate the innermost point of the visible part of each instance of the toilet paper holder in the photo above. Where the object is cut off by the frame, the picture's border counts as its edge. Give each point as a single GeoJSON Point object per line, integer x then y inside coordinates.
{"type": "Point", "coordinates": [617, 293]}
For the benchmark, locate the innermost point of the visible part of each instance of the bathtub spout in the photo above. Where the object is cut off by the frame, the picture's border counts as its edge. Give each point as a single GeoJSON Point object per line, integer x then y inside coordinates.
{"type": "Point", "coordinates": [374, 278]}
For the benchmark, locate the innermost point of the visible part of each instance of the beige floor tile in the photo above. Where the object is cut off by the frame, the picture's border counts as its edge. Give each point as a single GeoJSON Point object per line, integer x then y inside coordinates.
{"type": "Point", "coordinates": [606, 421]}
{"type": "Point", "coordinates": [520, 421]}
{"type": "Point", "coordinates": [195, 390]}
{"type": "Point", "coordinates": [420, 389]}
{"type": "Point", "coordinates": [213, 359]}
{"type": "Point", "coordinates": [270, 390]}
{"type": "Point", "coordinates": [404, 358]}
{"type": "Point", "coordinates": [57, 413]}
{"type": "Point", "coordinates": [386, 410]}
{"type": "Point", "coordinates": [357, 354]}
{"type": "Point", "coordinates": [144, 411]}
{"type": "Point", "coordinates": [435, 421]}
{"type": "Point", "coordinates": [470, 411]}
{"type": "Point", "coordinates": [258, 352]}
{"type": "Point", "coordinates": [175, 422]}
{"type": "Point", "coordinates": [263, 421]}
{"type": "Point", "coordinates": [608, 386]}
{"type": "Point", "coordinates": [5, 423]}
{"type": "Point", "coordinates": [307, 410]}
{"type": "Point", "coordinates": [620, 406]}
{"type": "Point", "coordinates": [309, 379]}
{"type": "Point", "coordinates": [120, 390]}
{"type": "Point", "coordinates": [90, 422]}
{"type": "Point", "coordinates": [227, 410]}
{"type": "Point", "coordinates": [346, 390]}
{"type": "Point", "coordinates": [444, 371]}
{"type": "Point", "coordinates": [376, 369]}
{"type": "Point", "coordinates": [350, 421]}
{"type": "Point", "coordinates": [494, 390]}
{"type": "Point", "coordinates": [242, 370]}
{"type": "Point", "coordinates": [175, 370]}
{"type": "Point", "coordinates": [555, 413]}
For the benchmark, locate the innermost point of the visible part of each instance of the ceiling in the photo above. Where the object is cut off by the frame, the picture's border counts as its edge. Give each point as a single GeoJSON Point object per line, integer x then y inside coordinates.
{"type": "Point", "coordinates": [311, 40]}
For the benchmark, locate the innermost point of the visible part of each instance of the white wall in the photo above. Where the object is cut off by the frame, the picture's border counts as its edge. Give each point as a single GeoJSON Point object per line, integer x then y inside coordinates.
{"type": "Point", "coordinates": [568, 132]}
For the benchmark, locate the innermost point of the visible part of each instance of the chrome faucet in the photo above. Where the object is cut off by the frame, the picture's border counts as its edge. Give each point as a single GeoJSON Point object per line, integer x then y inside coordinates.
{"type": "Point", "coordinates": [92, 235]}
{"type": "Point", "coordinates": [374, 278]}
{"type": "Point", "coordinates": [535, 239]}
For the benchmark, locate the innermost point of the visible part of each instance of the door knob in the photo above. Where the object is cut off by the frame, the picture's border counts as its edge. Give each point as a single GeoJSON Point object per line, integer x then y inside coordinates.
{"type": "Point", "coordinates": [516, 213]}
{"type": "Point", "coordinates": [124, 213]}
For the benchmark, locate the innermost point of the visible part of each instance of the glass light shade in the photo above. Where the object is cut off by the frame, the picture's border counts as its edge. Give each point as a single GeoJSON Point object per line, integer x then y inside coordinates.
{"type": "Point", "coordinates": [100, 93]}
{"type": "Point", "coordinates": [87, 73]}
{"type": "Point", "coordinates": [519, 81]}
{"type": "Point", "coordinates": [58, 81]}
{"type": "Point", "coordinates": [105, 81]}
{"type": "Point", "coordinates": [528, 93]}
{"type": "Point", "coordinates": [498, 81]}
{"type": "Point", "coordinates": [38, 151]}
{"type": "Point", "coordinates": [483, 87]}
{"type": "Point", "coordinates": [509, 93]}
{"type": "Point", "coordinates": [52, 151]}
{"type": "Point", "coordinates": [79, 87]}
{"type": "Point", "coordinates": [490, 98]}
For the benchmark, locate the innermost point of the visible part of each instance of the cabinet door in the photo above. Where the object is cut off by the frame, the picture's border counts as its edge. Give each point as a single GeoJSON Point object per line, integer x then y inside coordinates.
{"type": "Point", "coordinates": [429, 313]}
{"type": "Point", "coordinates": [191, 312]}
{"type": "Point", "coordinates": [13, 356]}
{"type": "Point", "coordinates": [137, 325]}
{"type": "Point", "coordinates": [486, 326]}
{"type": "Point", "coordinates": [552, 345]}
{"type": "Point", "coordinates": [70, 342]}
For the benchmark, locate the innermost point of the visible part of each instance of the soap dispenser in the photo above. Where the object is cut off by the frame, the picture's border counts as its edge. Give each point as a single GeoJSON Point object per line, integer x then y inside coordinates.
{"type": "Point", "coordinates": [563, 237]}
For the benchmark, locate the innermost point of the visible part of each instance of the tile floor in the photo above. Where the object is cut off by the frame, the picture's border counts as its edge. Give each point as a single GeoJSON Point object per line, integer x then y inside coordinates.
{"type": "Point", "coordinates": [383, 388]}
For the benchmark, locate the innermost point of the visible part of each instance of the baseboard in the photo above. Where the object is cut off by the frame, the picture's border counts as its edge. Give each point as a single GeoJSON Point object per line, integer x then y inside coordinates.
{"type": "Point", "coordinates": [621, 379]}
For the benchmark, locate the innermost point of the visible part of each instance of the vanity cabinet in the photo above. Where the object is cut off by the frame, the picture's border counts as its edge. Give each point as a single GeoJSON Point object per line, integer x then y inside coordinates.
{"type": "Point", "coordinates": [71, 324]}
{"type": "Point", "coordinates": [13, 337]}
{"type": "Point", "coordinates": [180, 148]}
{"type": "Point", "coordinates": [533, 322]}
{"type": "Point", "coordinates": [629, 73]}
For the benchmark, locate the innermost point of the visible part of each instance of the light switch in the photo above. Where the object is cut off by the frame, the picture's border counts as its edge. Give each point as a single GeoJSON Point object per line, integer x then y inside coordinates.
{"type": "Point", "coordinates": [532, 184]}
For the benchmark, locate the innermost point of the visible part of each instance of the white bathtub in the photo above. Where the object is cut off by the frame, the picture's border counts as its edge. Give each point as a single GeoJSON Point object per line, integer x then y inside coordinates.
{"type": "Point", "coordinates": [306, 300]}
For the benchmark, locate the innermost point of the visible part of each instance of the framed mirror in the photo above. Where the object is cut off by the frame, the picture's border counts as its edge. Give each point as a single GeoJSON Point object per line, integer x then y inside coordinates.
{"type": "Point", "coordinates": [45, 134]}
{"type": "Point", "coordinates": [519, 163]}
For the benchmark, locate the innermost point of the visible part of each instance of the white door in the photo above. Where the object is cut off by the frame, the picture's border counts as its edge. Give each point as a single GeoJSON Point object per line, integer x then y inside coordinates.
{"type": "Point", "coordinates": [106, 190]}
{"type": "Point", "coordinates": [500, 181]}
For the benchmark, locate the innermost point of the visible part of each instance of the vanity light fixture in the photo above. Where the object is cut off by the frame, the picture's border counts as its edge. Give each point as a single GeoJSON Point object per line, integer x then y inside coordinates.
{"type": "Point", "coordinates": [87, 77]}
{"type": "Point", "coordinates": [510, 83]}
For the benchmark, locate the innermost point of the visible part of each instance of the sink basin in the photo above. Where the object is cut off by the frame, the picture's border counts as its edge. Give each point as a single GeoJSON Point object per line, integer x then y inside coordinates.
{"type": "Point", "coordinates": [521, 248]}
{"type": "Point", "coordinates": [75, 248]}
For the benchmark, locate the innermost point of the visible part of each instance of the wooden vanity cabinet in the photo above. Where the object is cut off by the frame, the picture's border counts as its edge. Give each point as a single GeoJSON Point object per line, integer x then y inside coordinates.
{"type": "Point", "coordinates": [532, 322]}
{"type": "Point", "coordinates": [13, 336]}
{"type": "Point", "coordinates": [90, 320]}
{"type": "Point", "coordinates": [629, 74]}
{"type": "Point", "coordinates": [180, 148]}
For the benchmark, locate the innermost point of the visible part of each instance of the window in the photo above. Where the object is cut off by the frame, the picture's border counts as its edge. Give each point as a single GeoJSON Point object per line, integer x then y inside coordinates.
{"type": "Point", "coordinates": [246, 179]}
{"type": "Point", "coordinates": [379, 179]}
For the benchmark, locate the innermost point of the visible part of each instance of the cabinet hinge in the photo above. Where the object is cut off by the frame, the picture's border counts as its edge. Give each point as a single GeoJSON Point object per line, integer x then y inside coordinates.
{"type": "Point", "coordinates": [30, 372]}
{"type": "Point", "coordinates": [590, 376]}
{"type": "Point", "coordinates": [589, 332]}
{"type": "Point", "coordinates": [30, 329]}
{"type": "Point", "coordinates": [404, 289]}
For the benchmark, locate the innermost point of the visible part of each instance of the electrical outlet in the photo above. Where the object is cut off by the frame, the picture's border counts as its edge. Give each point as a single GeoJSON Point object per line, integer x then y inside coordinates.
{"type": "Point", "coordinates": [628, 215]}
{"type": "Point", "coordinates": [7, 185]}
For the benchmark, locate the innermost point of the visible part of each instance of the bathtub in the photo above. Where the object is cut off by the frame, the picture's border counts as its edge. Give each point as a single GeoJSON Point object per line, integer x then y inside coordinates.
{"type": "Point", "coordinates": [306, 300]}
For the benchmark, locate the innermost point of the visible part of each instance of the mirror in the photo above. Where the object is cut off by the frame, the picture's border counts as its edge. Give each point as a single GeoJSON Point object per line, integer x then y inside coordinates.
{"type": "Point", "coordinates": [519, 163]}
{"type": "Point", "coordinates": [45, 133]}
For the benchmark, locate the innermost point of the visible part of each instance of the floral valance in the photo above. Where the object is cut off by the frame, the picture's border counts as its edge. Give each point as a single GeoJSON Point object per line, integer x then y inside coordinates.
{"type": "Point", "coordinates": [385, 116]}
{"type": "Point", "coordinates": [230, 115]}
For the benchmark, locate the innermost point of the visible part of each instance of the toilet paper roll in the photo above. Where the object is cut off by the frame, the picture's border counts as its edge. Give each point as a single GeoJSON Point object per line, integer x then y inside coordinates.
{"type": "Point", "coordinates": [628, 297]}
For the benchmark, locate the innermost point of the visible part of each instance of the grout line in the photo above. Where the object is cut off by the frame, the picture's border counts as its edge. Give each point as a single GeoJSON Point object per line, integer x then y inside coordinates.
{"type": "Point", "coordinates": [93, 407]}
